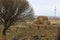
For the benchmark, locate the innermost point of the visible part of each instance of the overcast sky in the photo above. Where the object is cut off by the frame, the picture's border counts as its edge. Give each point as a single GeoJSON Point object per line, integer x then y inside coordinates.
{"type": "Point", "coordinates": [45, 7]}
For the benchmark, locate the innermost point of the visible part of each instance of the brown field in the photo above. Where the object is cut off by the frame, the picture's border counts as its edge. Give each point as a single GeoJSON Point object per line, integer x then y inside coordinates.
{"type": "Point", "coordinates": [55, 22]}
{"type": "Point", "coordinates": [24, 31]}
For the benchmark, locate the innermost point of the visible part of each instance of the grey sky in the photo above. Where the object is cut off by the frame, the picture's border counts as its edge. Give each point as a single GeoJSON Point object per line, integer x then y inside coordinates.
{"type": "Point", "coordinates": [45, 7]}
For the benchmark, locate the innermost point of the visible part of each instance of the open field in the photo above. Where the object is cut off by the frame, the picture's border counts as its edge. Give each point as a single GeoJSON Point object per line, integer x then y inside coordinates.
{"type": "Point", "coordinates": [55, 22]}
{"type": "Point", "coordinates": [23, 31]}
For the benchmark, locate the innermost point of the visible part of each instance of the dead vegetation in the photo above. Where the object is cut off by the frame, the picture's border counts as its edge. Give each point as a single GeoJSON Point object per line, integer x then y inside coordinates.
{"type": "Point", "coordinates": [29, 31]}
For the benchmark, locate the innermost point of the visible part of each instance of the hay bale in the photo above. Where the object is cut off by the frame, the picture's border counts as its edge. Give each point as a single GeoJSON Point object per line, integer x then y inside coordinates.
{"type": "Point", "coordinates": [42, 18]}
{"type": "Point", "coordinates": [45, 18]}
{"type": "Point", "coordinates": [37, 21]}
{"type": "Point", "coordinates": [47, 23]}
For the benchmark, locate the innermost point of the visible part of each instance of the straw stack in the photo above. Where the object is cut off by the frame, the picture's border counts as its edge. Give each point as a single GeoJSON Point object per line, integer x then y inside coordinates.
{"type": "Point", "coordinates": [42, 20]}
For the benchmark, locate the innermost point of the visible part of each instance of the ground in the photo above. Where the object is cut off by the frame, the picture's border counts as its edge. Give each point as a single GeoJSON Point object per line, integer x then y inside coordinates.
{"type": "Point", "coordinates": [20, 31]}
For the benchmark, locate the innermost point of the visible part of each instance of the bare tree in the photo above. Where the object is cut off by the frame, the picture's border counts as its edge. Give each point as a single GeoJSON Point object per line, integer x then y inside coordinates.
{"type": "Point", "coordinates": [27, 14]}
{"type": "Point", "coordinates": [9, 11]}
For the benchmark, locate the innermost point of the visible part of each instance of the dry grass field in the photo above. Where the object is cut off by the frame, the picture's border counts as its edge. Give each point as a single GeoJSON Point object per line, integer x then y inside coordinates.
{"type": "Point", "coordinates": [55, 22]}
{"type": "Point", "coordinates": [28, 31]}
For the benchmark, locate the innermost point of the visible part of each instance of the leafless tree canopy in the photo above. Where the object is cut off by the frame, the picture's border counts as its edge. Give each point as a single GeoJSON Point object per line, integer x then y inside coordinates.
{"type": "Point", "coordinates": [10, 10]}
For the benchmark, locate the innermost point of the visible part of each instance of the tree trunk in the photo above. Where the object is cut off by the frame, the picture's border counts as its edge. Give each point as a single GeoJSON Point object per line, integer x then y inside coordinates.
{"type": "Point", "coordinates": [6, 26]}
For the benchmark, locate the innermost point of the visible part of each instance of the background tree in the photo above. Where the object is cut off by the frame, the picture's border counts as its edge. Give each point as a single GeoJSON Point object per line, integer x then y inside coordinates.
{"type": "Point", "coordinates": [10, 10]}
